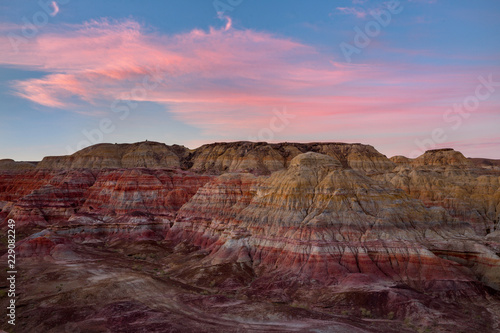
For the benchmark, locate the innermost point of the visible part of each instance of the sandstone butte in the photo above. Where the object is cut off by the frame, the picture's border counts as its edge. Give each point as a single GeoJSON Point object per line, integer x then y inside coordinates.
{"type": "Point", "coordinates": [340, 231]}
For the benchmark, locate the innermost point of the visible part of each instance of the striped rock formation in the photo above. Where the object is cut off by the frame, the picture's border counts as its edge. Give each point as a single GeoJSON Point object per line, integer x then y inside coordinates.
{"type": "Point", "coordinates": [318, 220]}
{"type": "Point", "coordinates": [324, 225]}
{"type": "Point", "coordinates": [445, 178]}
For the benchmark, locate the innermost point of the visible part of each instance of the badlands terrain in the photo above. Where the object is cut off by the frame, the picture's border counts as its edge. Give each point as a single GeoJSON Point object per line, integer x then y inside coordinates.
{"type": "Point", "coordinates": [253, 237]}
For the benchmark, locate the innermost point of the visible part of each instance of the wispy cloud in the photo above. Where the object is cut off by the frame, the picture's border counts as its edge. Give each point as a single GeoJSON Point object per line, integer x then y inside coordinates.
{"type": "Point", "coordinates": [358, 12]}
{"type": "Point", "coordinates": [55, 7]}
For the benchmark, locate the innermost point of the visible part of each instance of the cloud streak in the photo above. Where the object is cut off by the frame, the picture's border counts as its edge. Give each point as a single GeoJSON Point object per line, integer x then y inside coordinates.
{"type": "Point", "coordinates": [227, 81]}
{"type": "Point", "coordinates": [359, 13]}
{"type": "Point", "coordinates": [55, 6]}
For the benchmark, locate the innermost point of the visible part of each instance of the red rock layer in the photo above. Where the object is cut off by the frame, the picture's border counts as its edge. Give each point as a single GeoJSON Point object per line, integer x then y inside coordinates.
{"type": "Point", "coordinates": [16, 184]}
{"type": "Point", "coordinates": [157, 192]}
{"type": "Point", "coordinates": [133, 203]}
{"type": "Point", "coordinates": [84, 197]}
{"type": "Point", "coordinates": [43, 198]}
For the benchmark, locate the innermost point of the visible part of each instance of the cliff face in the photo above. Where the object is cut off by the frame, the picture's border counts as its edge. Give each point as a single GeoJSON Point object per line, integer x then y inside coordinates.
{"type": "Point", "coordinates": [330, 225]}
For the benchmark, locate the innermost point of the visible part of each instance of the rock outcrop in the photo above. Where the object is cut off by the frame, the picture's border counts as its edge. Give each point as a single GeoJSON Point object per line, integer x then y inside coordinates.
{"type": "Point", "coordinates": [9, 164]}
{"type": "Point", "coordinates": [265, 158]}
{"type": "Point", "coordinates": [255, 157]}
{"type": "Point", "coordinates": [146, 154]}
{"type": "Point", "coordinates": [441, 157]}
{"type": "Point", "coordinates": [446, 178]}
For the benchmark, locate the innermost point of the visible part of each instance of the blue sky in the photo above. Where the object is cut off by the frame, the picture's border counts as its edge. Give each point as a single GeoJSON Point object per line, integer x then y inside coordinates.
{"type": "Point", "coordinates": [260, 70]}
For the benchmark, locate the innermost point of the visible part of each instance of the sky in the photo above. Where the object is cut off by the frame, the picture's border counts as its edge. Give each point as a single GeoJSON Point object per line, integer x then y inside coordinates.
{"type": "Point", "coordinates": [403, 76]}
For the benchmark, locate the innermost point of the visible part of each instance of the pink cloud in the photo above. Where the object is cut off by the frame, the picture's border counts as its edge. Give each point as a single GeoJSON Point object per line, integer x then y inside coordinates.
{"type": "Point", "coordinates": [228, 81]}
{"type": "Point", "coordinates": [55, 7]}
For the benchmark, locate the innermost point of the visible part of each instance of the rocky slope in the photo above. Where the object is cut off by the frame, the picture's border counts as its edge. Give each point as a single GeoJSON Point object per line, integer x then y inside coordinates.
{"type": "Point", "coordinates": [358, 241]}
{"type": "Point", "coordinates": [445, 178]}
